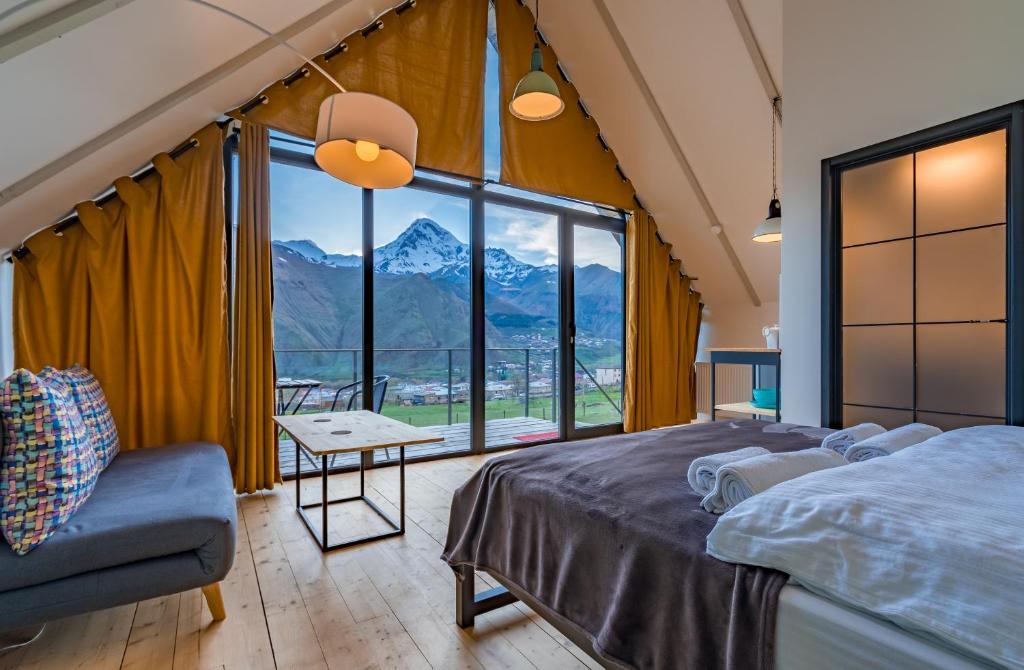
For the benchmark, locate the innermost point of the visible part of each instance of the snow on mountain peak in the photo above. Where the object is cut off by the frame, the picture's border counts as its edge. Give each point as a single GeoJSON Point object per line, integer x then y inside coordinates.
{"type": "Point", "coordinates": [307, 248]}
{"type": "Point", "coordinates": [313, 252]}
{"type": "Point", "coordinates": [422, 247]}
{"type": "Point", "coordinates": [426, 247]}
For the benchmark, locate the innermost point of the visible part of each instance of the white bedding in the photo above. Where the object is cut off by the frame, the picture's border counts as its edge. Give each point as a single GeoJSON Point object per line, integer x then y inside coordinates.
{"type": "Point", "coordinates": [813, 632]}
{"type": "Point", "coordinates": [930, 538]}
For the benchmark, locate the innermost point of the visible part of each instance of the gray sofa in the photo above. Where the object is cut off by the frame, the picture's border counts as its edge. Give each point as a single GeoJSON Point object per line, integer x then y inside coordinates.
{"type": "Point", "coordinates": [160, 521]}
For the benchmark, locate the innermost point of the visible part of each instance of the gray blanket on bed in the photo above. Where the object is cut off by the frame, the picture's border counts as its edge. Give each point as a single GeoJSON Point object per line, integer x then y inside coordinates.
{"type": "Point", "coordinates": [608, 534]}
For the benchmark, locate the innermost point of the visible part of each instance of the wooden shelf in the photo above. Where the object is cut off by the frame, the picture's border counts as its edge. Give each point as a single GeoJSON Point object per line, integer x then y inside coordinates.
{"type": "Point", "coordinates": [745, 408]}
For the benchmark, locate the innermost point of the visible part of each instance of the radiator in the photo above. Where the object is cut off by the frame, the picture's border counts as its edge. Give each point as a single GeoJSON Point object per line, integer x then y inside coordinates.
{"type": "Point", "coordinates": [734, 384]}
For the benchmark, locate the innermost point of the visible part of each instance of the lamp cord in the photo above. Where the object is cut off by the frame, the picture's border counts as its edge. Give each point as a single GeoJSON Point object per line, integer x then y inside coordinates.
{"type": "Point", "coordinates": [775, 105]}
{"type": "Point", "coordinates": [11, 11]}
{"type": "Point", "coordinates": [256, 26]}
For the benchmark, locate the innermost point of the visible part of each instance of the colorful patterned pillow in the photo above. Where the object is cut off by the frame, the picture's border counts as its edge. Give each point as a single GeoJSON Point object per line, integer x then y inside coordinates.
{"type": "Point", "coordinates": [92, 405]}
{"type": "Point", "coordinates": [48, 467]}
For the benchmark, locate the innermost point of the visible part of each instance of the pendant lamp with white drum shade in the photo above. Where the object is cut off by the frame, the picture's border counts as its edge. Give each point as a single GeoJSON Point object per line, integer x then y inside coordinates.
{"type": "Point", "coordinates": [362, 139]}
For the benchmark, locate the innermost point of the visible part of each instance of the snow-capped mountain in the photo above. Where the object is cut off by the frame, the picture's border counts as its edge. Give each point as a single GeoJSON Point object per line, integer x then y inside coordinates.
{"type": "Point", "coordinates": [426, 247]}
{"type": "Point", "coordinates": [422, 247]}
{"type": "Point", "coordinates": [310, 250]}
{"type": "Point", "coordinates": [504, 268]}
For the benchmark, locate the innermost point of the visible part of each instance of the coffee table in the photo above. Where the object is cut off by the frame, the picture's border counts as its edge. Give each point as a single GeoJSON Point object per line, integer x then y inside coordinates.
{"type": "Point", "coordinates": [324, 434]}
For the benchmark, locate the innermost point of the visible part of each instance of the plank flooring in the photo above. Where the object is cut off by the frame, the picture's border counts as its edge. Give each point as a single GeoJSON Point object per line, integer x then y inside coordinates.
{"type": "Point", "coordinates": [380, 606]}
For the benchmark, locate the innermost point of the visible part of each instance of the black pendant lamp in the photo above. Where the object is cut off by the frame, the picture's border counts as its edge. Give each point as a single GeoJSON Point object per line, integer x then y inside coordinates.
{"type": "Point", "coordinates": [770, 230]}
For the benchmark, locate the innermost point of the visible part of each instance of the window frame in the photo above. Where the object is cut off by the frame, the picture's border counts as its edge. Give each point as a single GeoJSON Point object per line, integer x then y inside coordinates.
{"type": "Point", "coordinates": [478, 195]}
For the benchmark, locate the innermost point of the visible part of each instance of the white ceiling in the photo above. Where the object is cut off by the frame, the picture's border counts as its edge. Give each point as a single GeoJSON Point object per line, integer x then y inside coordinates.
{"type": "Point", "coordinates": [62, 96]}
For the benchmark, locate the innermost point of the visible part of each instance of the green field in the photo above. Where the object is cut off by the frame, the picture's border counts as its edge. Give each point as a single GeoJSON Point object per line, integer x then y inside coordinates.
{"type": "Point", "coordinates": [591, 407]}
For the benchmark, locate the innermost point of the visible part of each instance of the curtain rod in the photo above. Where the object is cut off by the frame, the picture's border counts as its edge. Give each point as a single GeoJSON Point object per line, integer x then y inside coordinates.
{"type": "Point", "coordinates": [72, 219]}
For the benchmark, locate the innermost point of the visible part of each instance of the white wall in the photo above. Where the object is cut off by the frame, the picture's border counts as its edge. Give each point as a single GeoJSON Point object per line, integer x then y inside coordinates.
{"type": "Point", "coordinates": [6, 318]}
{"type": "Point", "coordinates": [858, 73]}
{"type": "Point", "coordinates": [735, 325]}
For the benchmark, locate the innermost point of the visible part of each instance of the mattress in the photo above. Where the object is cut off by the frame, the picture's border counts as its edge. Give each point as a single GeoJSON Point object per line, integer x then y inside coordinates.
{"type": "Point", "coordinates": [812, 632]}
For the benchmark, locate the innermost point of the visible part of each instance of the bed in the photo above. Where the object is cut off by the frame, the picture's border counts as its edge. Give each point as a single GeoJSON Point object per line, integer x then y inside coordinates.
{"type": "Point", "coordinates": [606, 541]}
{"type": "Point", "coordinates": [649, 596]}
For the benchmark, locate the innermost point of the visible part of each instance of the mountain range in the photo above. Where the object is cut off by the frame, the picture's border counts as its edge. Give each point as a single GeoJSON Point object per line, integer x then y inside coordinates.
{"type": "Point", "coordinates": [421, 294]}
{"type": "Point", "coordinates": [425, 247]}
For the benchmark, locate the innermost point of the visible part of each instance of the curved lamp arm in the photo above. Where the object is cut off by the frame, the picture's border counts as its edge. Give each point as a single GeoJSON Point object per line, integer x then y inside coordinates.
{"type": "Point", "coordinates": [256, 26]}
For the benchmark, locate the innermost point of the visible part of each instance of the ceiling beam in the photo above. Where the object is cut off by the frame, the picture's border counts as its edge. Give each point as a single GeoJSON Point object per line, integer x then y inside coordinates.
{"type": "Point", "coordinates": [166, 103]}
{"type": "Point", "coordinates": [756, 55]}
{"type": "Point", "coordinates": [670, 137]}
{"type": "Point", "coordinates": [54, 24]}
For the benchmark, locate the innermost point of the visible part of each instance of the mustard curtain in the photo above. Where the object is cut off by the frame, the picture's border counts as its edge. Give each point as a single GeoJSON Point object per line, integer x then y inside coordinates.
{"type": "Point", "coordinates": [252, 364]}
{"type": "Point", "coordinates": [662, 323]}
{"type": "Point", "coordinates": [429, 59]}
{"type": "Point", "coordinates": [136, 292]}
{"type": "Point", "coordinates": [562, 156]}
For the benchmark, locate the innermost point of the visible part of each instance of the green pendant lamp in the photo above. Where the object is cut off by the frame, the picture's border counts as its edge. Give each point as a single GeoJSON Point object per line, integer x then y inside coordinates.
{"type": "Point", "coordinates": [770, 230]}
{"type": "Point", "coordinates": [536, 96]}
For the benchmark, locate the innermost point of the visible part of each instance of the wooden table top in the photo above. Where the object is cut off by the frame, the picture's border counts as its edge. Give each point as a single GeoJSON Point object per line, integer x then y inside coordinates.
{"type": "Point", "coordinates": [321, 434]}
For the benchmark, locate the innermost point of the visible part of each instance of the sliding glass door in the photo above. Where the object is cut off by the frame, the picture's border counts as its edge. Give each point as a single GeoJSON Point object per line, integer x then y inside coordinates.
{"type": "Point", "coordinates": [421, 311]}
{"type": "Point", "coordinates": [598, 336]}
{"type": "Point", "coordinates": [523, 337]}
{"type": "Point", "coordinates": [490, 315]}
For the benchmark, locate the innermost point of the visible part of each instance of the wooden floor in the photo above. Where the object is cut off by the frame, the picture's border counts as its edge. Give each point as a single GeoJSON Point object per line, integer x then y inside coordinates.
{"type": "Point", "coordinates": [497, 433]}
{"type": "Point", "coordinates": [387, 604]}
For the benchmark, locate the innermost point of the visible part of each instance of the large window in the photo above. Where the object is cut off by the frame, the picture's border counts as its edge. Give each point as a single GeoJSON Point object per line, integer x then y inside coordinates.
{"type": "Point", "coordinates": [421, 313]}
{"type": "Point", "coordinates": [375, 294]}
{"type": "Point", "coordinates": [379, 303]}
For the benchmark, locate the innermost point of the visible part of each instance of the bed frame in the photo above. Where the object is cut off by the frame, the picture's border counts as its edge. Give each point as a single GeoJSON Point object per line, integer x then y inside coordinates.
{"type": "Point", "coordinates": [468, 604]}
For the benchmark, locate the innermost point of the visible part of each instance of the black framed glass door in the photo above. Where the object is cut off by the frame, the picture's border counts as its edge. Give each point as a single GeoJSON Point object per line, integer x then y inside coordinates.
{"type": "Point", "coordinates": [594, 280]}
{"type": "Point", "coordinates": [446, 304]}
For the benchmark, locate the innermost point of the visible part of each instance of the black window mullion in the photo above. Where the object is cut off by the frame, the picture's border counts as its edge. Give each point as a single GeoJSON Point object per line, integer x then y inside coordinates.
{"type": "Point", "coordinates": [367, 267]}
{"type": "Point", "coordinates": [566, 328]}
{"type": "Point", "coordinates": [477, 329]}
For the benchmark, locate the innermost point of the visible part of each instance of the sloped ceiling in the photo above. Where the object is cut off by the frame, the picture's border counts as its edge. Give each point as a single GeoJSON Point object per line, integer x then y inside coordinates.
{"type": "Point", "coordinates": [107, 95]}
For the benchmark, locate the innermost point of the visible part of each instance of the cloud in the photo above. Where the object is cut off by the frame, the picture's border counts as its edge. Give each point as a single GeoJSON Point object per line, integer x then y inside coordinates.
{"type": "Point", "coordinates": [529, 236]}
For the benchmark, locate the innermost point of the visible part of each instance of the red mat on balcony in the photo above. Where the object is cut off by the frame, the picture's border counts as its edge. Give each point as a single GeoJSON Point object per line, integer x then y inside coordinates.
{"type": "Point", "coordinates": [537, 437]}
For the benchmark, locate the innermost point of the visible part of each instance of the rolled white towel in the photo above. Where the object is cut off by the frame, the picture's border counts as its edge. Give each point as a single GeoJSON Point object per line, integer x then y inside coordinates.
{"type": "Point", "coordinates": [740, 480]}
{"type": "Point", "coordinates": [891, 441]}
{"type": "Point", "coordinates": [701, 474]}
{"type": "Point", "coordinates": [841, 440]}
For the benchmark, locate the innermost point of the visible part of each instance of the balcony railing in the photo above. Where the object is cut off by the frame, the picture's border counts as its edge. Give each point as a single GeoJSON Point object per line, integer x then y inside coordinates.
{"type": "Point", "coordinates": [544, 357]}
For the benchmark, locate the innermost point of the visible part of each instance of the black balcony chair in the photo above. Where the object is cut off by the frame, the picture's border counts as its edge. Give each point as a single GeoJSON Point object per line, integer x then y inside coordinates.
{"type": "Point", "coordinates": [355, 391]}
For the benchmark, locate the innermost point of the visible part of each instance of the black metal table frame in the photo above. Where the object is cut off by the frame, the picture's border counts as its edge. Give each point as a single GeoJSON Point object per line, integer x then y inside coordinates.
{"type": "Point", "coordinates": [325, 502]}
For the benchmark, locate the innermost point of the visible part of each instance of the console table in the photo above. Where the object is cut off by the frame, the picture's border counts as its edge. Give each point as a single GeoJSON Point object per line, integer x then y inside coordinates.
{"type": "Point", "coordinates": [756, 358]}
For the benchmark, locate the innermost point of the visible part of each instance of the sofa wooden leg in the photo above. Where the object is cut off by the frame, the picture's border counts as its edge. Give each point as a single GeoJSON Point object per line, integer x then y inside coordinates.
{"type": "Point", "coordinates": [214, 601]}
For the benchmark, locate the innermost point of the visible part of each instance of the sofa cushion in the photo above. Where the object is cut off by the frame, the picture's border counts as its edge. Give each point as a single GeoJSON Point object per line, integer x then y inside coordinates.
{"type": "Point", "coordinates": [149, 503]}
{"type": "Point", "coordinates": [48, 467]}
{"type": "Point", "coordinates": [92, 405]}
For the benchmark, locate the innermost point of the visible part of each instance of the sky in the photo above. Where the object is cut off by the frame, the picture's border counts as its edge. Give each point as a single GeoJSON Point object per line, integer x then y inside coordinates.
{"type": "Point", "coordinates": [308, 204]}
